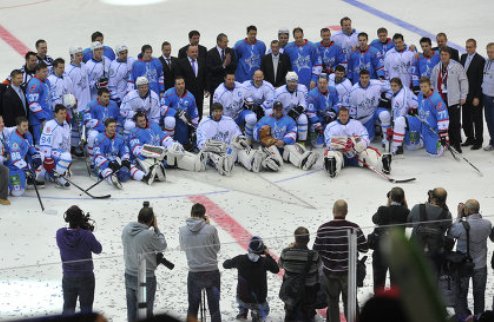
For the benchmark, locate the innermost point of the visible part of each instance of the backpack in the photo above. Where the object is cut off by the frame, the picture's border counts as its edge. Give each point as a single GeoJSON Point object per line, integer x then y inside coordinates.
{"type": "Point", "coordinates": [429, 236]}
{"type": "Point", "coordinates": [292, 290]}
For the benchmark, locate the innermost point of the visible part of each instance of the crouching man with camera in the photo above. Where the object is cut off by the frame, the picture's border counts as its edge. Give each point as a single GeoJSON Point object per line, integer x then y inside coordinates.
{"type": "Point", "coordinates": [76, 244]}
{"type": "Point", "coordinates": [139, 238]}
{"type": "Point", "coordinates": [471, 232]}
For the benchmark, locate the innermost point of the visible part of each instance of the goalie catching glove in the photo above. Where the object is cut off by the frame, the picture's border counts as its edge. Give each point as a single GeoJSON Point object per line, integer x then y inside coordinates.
{"type": "Point", "coordinates": [265, 136]}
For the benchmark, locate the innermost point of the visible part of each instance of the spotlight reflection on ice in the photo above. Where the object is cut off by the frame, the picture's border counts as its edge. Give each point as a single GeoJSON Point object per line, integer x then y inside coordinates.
{"type": "Point", "coordinates": [131, 2]}
{"type": "Point", "coordinates": [30, 298]}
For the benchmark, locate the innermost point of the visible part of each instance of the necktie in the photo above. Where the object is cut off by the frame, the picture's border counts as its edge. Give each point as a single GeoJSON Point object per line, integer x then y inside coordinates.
{"type": "Point", "coordinates": [469, 60]}
{"type": "Point", "coordinates": [21, 96]}
{"type": "Point", "coordinates": [168, 62]}
{"type": "Point", "coordinates": [194, 67]}
{"type": "Point", "coordinates": [223, 54]}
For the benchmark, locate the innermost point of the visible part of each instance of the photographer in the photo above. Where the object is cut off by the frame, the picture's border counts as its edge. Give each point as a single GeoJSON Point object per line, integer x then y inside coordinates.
{"type": "Point", "coordinates": [479, 230]}
{"type": "Point", "coordinates": [252, 285]}
{"type": "Point", "coordinates": [199, 239]}
{"type": "Point", "coordinates": [430, 237]}
{"type": "Point", "coordinates": [394, 213]}
{"type": "Point", "coordinates": [76, 244]}
{"type": "Point", "coordinates": [139, 238]}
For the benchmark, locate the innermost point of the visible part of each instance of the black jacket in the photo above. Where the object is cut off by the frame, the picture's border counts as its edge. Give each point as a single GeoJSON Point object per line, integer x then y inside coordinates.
{"type": "Point", "coordinates": [193, 84]}
{"type": "Point", "coordinates": [475, 74]}
{"type": "Point", "coordinates": [252, 284]}
{"type": "Point", "coordinates": [215, 71]}
{"type": "Point", "coordinates": [284, 66]}
{"type": "Point", "coordinates": [11, 106]}
{"type": "Point", "coordinates": [169, 72]}
{"type": "Point", "coordinates": [391, 215]}
{"type": "Point", "coordinates": [455, 55]}
{"type": "Point", "coordinates": [182, 53]}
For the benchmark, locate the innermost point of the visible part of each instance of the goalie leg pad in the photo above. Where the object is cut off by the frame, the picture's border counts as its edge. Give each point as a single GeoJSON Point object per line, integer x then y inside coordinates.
{"type": "Point", "coordinates": [214, 146]}
{"type": "Point", "coordinates": [272, 158]}
{"type": "Point", "coordinates": [371, 157]}
{"type": "Point", "coordinates": [299, 157]}
{"type": "Point", "coordinates": [192, 162]}
{"type": "Point", "coordinates": [176, 151]}
{"type": "Point", "coordinates": [338, 157]}
{"type": "Point", "coordinates": [223, 163]}
{"type": "Point", "coordinates": [153, 152]}
{"type": "Point", "coordinates": [62, 161]}
{"type": "Point", "coordinates": [160, 172]}
{"type": "Point", "coordinates": [251, 159]}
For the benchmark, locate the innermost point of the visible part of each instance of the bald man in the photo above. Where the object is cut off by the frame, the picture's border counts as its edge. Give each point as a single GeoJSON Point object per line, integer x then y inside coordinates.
{"type": "Point", "coordinates": [479, 229]}
{"type": "Point", "coordinates": [332, 244]}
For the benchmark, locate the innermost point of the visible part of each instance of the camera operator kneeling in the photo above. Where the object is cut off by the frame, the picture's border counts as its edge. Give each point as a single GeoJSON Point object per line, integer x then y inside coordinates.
{"type": "Point", "coordinates": [77, 243]}
{"type": "Point", "coordinates": [479, 230]}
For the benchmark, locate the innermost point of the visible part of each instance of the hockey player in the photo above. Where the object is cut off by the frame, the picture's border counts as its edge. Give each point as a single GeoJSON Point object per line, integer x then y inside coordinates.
{"type": "Point", "coordinates": [149, 67]}
{"type": "Point", "coordinates": [348, 145]}
{"type": "Point", "coordinates": [42, 53]}
{"type": "Point", "coordinates": [112, 157]}
{"type": "Point", "coordinates": [383, 43]}
{"type": "Point", "coordinates": [181, 116]}
{"type": "Point", "coordinates": [322, 107]}
{"type": "Point", "coordinates": [364, 101]}
{"type": "Point", "coordinates": [150, 146]}
{"type": "Point", "coordinates": [22, 158]}
{"type": "Point", "coordinates": [60, 84]}
{"type": "Point", "coordinates": [140, 99]}
{"type": "Point", "coordinates": [55, 148]}
{"type": "Point", "coordinates": [304, 58]}
{"type": "Point", "coordinates": [427, 59]}
{"type": "Point", "coordinates": [95, 115]}
{"type": "Point", "coordinates": [28, 69]}
{"type": "Point", "coordinates": [220, 138]}
{"type": "Point", "coordinates": [277, 134]}
{"type": "Point", "coordinates": [97, 68]}
{"type": "Point", "coordinates": [342, 84]}
{"type": "Point", "coordinates": [429, 128]}
{"type": "Point", "coordinates": [292, 97]}
{"type": "Point", "coordinates": [400, 62]}
{"type": "Point", "coordinates": [346, 38]}
{"type": "Point", "coordinates": [231, 95]}
{"type": "Point", "coordinates": [120, 74]}
{"type": "Point", "coordinates": [367, 58]}
{"type": "Point", "coordinates": [249, 52]}
{"type": "Point", "coordinates": [107, 51]}
{"type": "Point", "coordinates": [330, 54]}
{"type": "Point", "coordinates": [38, 97]}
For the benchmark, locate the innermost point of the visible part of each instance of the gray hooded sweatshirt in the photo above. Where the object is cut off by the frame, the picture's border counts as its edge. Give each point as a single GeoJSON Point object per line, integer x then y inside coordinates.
{"type": "Point", "coordinates": [138, 238]}
{"type": "Point", "coordinates": [201, 244]}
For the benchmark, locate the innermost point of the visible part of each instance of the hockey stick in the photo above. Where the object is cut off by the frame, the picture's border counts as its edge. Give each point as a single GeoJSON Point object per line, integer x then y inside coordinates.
{"type": "Point", "coordinates": [49, 211]}
{"type": "Point", "coordinates": [456, 155]}
{"type": "Point", "coordinates": [83, 145]}
{"type": "Point", "coordinates": [100, 180]}
{"type": "Point", "coordinates": [385, 176]}
{"type": "Point", "coordinates": [84, 191]}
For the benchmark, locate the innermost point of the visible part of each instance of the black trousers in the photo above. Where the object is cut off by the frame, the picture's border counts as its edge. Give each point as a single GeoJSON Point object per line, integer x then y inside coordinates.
{"type": "Point", "coordinates": [473, 122]}
{"type": "Point", "coordinates": [454, 130]}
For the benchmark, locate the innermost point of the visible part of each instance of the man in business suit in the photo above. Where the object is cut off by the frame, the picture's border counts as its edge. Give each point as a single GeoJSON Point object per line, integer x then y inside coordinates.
{"type": "Point", "coordinates": [220, 60]}
{"type": "Point", "coordinates": [472, 113]}
{"type": "Point", "coordinates": [13, 100]}
{"type": "Point", "coordinates": [442, 42]}
{"type": "Point", "coordinates": [193, 69]}
{"type": "Point", "coordinates": [169, 64]}
{"type": "Point", "coordinates": [275, 65]}
{"type": "Point", "coordinates": [194, 37]}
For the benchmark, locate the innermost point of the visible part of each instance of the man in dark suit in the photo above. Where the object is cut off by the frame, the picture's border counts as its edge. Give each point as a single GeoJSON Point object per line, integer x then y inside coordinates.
{"type": "Point", "coordinates": [442, 41]}
{"type": "Point", "coordinates": [472, 115]}
{"type": "Point", "coordinates": [169, 64]}
{"type": "Point", "coordinates": [193, 70]}
{"type": "Point", "coordinates": [220, 60]}
{"type": "Point", "coordinates": [194, 37]}
{"type": "Point", "coordinates": [13, 102]}
{"type": "Point", "coordinates": [275, 65]}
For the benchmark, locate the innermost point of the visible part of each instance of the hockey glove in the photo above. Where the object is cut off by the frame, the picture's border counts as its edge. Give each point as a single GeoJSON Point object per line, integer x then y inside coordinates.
{"type": "Point", "coordinates": [416, 89]}
{"type": "Point", "coordinates": [114, 166]}
{"type": "Point", "coordinates": [126, 163]}
{"type": "Point", "coordinates": [358, 144]}
{"type": "Point", "coordinates": [102, 83]}
{"type": "Point", "coordinates": [49, 165]}
{"type": "Point", "coordinates": [413, 112]}
{"type": "Point", "coordinates": [443, 137]}
{"type": "Point", "coordinates": [265, 136]}
{"type": "Point", "coordinates": [259, 111]}
{"type": "Point", "coordinates": [349, 145]}
{"type": "Point", "coordinates": [389, 133]}
{"type": "Point", "coordinates": [184, 117]}
{"type": "Point", "coordinates": [329, 116]}
{"type": "Point", "coordinates": [318, 128]}
{"type": "Point", "coordinates": [295, 112]}
{"type": "Point", "coordinates": [37, 162]}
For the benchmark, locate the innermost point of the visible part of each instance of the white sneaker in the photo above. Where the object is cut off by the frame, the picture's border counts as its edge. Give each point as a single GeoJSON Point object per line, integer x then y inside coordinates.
{"type": "Point", "coordinates": [489, 148]}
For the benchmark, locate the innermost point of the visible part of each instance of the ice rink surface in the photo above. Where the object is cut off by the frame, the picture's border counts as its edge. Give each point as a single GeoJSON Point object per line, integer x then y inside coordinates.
{"type": "Point", "coordinates": [271, 205]}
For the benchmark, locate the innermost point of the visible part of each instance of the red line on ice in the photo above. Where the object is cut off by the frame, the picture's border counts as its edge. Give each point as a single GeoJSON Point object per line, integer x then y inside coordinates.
{"type": "Point", "coordinates": [13, 41]}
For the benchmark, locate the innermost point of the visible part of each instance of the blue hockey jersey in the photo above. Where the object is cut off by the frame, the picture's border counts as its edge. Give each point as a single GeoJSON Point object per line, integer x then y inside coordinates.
{"type": "Point", "coordinates": [249, 58]}
{"type": "Point", "coordinates": [330, 57]}
{"type": "Point", "coordinates": [383, 47]}
{"type": "Point", "coordinates": [321, 104]}
{"type": "Point", "coordinates": [283, 128]}
{"type": "Point", "coordinates": [96, 114]}
{"type": "Point", "coordinates": [305, 61]}
{"type": "Point", "coordinates": [186, 103]}
{"type": "Point", "coordinates": [433, 111]}
{"type": "Point", "coordinates": [425, 64]}
{"type": "Point", "coordinates": [19, 147]}
{"type": "Point", "coordinates": [107, 149]}
{"type": "Point", "coordinates": [153, 71]}
{"type": "Point", "coordinates": [87, 54]}
{"type": "Point", "coordinates": [38, 98]}
{"type": "Point", "coordinates": [152, 135]}
{"type": "Point", "coordinates": [369, 59]}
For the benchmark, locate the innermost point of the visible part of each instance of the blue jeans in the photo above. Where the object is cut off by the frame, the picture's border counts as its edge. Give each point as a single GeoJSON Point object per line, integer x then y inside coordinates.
{"type": "Point", "coordinates": [210, 280]}
{"type": "Point", "coordinates": [261, 308]}
{"type": "Point", "coordinates": [131, 289]}
{"type": "Point", "coordinates": [489, 116]}
{"type": "Point", "coordinates": [82, 287]}
{"type": "Point", "coordinates": [479, 279]}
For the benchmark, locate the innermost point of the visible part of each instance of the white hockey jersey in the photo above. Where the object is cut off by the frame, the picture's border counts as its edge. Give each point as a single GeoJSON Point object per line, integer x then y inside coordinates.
{"type": "Point", "coordinates": [343, 88]}
{"type": "Point", "coordinates": [290, 99]}
{"type": "Point", "coordinates": [363, 102]}
{"type": "Point", "coordinates": [55, 136]}
{"type": "Point", "coordinates": [262, 95]}
{"type": "Point", "coordinates": [401, 65]}
{"type": "Point", "coordinates": [96, 70]}
{"type": "Point", "coordinates": [232, 100]}
{"type": "Point", "coordinates": [352, 128]}
{"type": "Point", "coordinates": [133, 103]}
{"type": "Point", "coordinates": [80, 83]}
{"type": "Point", "coordinates": [119, 78]}
{"type": "Point", "coordinates": [59, 86]}
{"type": "Point", "coordinates": [346, 42]}
{"type": "Point", "coordinates": [223, 130]}
{"type": "Point", "coordinates": [402, 101]}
